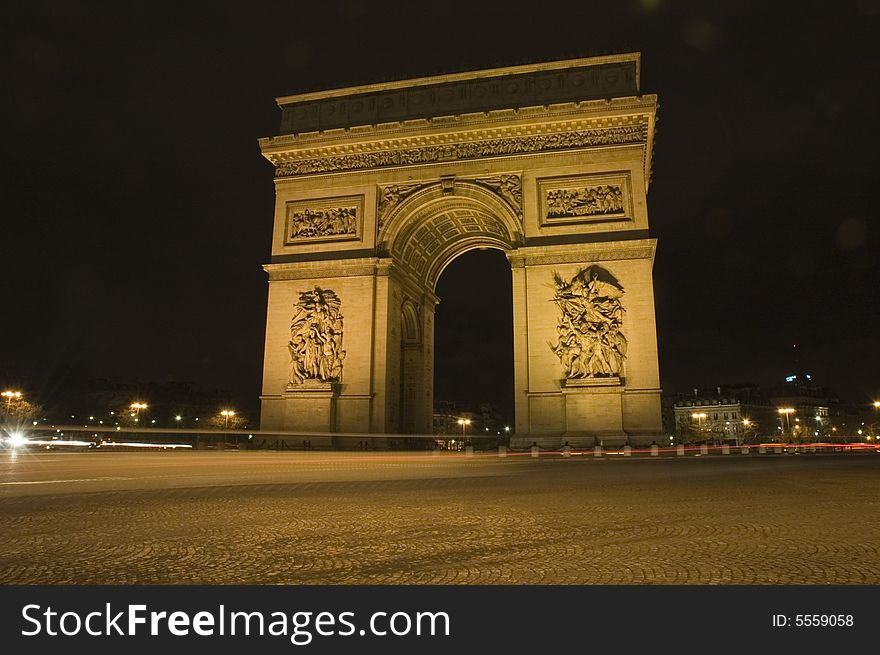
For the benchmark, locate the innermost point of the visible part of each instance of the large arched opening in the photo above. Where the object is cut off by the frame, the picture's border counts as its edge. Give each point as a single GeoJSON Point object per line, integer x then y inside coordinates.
{"type": "Point", "coordinates": [473, 345]}
{"type": "Point", "coordinates": [461, 231]}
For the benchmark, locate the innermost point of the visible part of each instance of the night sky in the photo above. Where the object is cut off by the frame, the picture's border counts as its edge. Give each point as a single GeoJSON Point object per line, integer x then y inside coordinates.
{"type": "Point", "coordinates": [136, 208]}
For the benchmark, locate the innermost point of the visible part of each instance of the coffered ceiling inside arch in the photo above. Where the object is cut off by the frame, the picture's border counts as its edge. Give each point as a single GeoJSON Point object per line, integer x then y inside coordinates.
{"type": "Point", "coordinates": [435, 241]}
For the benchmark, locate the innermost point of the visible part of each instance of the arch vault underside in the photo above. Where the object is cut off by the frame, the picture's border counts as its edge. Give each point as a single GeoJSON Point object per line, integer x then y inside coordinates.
{"type": "Point", "coordinates": [368, 216]}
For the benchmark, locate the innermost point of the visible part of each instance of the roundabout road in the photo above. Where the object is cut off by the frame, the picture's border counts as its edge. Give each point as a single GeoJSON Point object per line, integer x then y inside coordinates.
{"type": "Point", "coordinates": [295, 518]}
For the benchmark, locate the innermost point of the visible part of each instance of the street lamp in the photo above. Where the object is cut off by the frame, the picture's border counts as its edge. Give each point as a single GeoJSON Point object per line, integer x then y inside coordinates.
{"type": "Point", "coordinates": [699, 416]}
{"type": "Point", "coordinates": [464, 422]}
{"type": "Point", "coordinates": [787, 412]}
{"type": "Point", "coordinates": [137, 407]}
{"type": "Point", "coordinates": [876, 417]}
{"type": "Point", "coordinates": [747, 424]}
{"type": "Point", "coordinates": [9, 395]}
{"type": "Point", "coordinates": [226, 414]}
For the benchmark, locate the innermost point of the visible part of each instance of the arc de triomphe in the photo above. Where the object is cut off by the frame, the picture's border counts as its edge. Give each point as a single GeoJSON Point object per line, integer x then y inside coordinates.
{"type": "Point", "coordinates": [380, 187]}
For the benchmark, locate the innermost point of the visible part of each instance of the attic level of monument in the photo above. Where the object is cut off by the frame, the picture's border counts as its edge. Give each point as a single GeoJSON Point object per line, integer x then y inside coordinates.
{"type": "Point", "coordinates": [514, 87]}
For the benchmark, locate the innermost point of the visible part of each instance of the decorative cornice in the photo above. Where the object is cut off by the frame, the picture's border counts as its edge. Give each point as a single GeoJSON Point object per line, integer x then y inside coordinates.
{"type": "Point", "coordinates": [584, 253]}
{"type": "Point", "coordinates": [517, 260]}
{"type": "Point", "coordinates": [322, 269]}
{"type": "Point", "coordinates": [510, 140]}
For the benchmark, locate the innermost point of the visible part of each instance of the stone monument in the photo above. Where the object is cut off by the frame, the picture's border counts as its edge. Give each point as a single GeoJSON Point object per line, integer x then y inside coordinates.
{"type": "Point", "coordinates": [380, 187]}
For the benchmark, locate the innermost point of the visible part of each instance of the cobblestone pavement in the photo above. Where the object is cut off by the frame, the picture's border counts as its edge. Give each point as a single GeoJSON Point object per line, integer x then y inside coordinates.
{"type": "Point", "coordinates": [281, 518]}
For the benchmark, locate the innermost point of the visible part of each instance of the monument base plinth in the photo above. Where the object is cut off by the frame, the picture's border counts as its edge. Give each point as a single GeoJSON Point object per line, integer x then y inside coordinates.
{"type": "Point", "coordinates": [594, 411]}
{"type": "Point", "coordinates": [311, 406]}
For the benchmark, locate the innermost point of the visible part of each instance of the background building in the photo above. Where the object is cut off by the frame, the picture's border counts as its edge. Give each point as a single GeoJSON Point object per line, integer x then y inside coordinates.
{"type": "Point", "coordinates": [811, 408]}
{"type": "Point", "coordinates": [461, 425]}
{"type": "Point", "coordinates": [733, 413]}
{"type": "Point", "coordinates": [795, 410]}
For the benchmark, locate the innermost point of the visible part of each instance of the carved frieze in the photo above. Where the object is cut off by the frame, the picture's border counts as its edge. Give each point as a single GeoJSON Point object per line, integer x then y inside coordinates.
{"type": "Point", "coordinates": [590, 344]}
{"type": "Point", "coordinates": [400, 155]}
{"type": "Point", "coordinates": [585, 198]}
{"type": "Point", "coordinates": [315, 344]}
{"type": "Point", "coordinates": [330, 219]}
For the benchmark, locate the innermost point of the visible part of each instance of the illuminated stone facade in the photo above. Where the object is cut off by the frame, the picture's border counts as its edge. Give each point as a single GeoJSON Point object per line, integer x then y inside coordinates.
{"type": "Point", "coordinates": [379, 188]}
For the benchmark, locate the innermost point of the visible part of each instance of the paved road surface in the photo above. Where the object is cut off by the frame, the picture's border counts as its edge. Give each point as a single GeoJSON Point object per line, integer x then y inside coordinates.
{"type": "Point", "coordinates": [282, 518]}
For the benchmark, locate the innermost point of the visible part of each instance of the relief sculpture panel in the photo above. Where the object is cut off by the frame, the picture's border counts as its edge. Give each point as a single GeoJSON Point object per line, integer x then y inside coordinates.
{"type": "Point", "coordinates": [315, 345]}
{"type": "Point", "coordinates": [336, 219]}
{"type": "Point", "coordinates": [584, 199]}
{"type": "Point", "coordinates": [590, 343]}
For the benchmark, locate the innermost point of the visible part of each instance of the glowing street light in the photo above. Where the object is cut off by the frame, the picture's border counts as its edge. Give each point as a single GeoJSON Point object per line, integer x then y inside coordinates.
{"type": "Point", "coordinates": [699, 416]}
{"type": "Point", "coordinates": [137, 407]}
{"type": "Point", "coordinates": [876, 417]}
{"type": "Point", "coordinates": [10, 395]}
{"type": "Point", "coordinates": [226, 414]}
{"type": "Point", "coordinates": [748, 429]}
{"type": "Point", "coordinates": [464, 422]}
{"type": "Point", "coordinates": [786, 412]}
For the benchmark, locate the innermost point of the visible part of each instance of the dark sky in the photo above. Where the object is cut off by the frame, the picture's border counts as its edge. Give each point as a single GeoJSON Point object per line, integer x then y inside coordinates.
{"type": "Point", "coordinates": [136, 209]}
